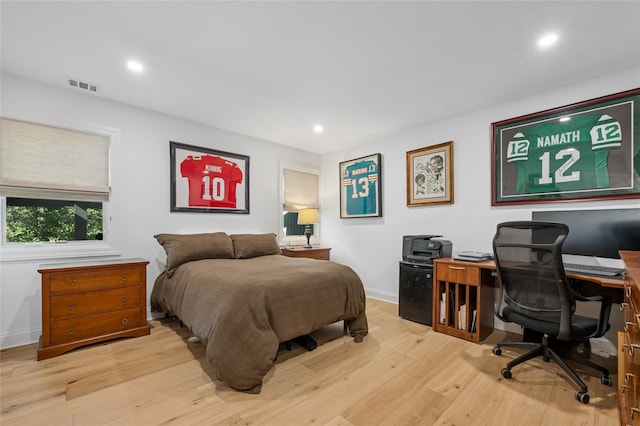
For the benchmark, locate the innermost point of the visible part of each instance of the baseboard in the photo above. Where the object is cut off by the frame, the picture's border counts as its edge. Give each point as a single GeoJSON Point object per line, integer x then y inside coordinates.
{"type": "Point", "coordinates": [28, 337]}
{"type": "Point", "coordinates": [19, 339]}
{"type": "Point", "coordinates": [385, 296]}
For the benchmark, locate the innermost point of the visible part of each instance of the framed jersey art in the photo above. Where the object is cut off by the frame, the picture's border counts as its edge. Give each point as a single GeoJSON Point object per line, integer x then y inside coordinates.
{"type": "Point", "coordinates": [360, 187]}
{"type": "Point", "coordinates": [587, 150]}
{"type": "Point", "coordinates": [207, 180]}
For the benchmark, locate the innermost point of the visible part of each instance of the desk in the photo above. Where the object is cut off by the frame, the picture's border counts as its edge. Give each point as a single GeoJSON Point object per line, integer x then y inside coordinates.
{"type": "Point", "coordinates": [463, 296]}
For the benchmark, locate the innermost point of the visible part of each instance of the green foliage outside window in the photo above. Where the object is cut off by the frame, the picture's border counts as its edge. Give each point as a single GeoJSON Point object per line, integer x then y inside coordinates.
{"type": "Point", "coordinates": [29, 221]}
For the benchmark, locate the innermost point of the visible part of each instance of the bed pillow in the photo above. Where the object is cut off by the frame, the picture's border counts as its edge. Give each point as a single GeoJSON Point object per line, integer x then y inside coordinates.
{"type": "Point", "coordinates": [246, 246]}
{"type": "Point", "coordinates": [182, 248]}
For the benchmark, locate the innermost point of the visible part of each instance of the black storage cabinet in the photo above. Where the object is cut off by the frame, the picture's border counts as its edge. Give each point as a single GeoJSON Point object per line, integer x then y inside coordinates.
{"type": "Point", "coordinates": [416, 292]}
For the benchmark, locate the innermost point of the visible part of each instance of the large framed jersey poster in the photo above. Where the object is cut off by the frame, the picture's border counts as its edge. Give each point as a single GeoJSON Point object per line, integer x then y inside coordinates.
{"type": "Point", "coordinates": [207, 180]}
{"type": "Point", "coordinates": [584, 151]}
{"type": "Point", "coordinates": [360, 187]}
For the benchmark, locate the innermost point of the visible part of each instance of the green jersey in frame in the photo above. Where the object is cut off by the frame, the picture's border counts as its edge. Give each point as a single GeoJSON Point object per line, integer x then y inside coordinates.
{"type": "Point", "coordinates": [561, 156]}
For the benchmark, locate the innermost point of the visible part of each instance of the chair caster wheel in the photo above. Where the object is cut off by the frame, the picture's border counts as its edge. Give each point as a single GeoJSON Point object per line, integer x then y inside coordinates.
{"type": "Point", "coordinates": [497, 351]}
{"type": "Point", "coordinates": [582, 397]}
{"type": "Point", "coordinates": [507, 374]}
{"type": "Point", "coordinates": [606, 380]}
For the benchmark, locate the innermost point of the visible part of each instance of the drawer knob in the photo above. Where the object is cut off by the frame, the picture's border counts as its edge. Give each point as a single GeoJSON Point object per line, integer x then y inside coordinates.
{"type": "Point", "coordinates": [125, 298]}
{"type": "Point", "coordinates": [71, 306]}
{"type": "Point", "coordinates": [631, 347]}
{"type": "Point", "coordinates": [72, 331]}
{"type": "Point", "coordinates": [124, 320]}
{"type": "Point", "coordinates": [124, 278]}
{"type": "Point", "coordinates": [73, 282]}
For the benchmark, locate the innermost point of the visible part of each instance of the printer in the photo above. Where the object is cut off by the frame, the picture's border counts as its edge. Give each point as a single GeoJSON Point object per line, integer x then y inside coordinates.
{"type": "Point", "coordinates": [424, 248]}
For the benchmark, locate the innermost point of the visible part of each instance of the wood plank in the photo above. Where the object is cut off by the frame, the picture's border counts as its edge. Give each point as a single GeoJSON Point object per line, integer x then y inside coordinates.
{"type": "Point", "coordinates": [402, 373]}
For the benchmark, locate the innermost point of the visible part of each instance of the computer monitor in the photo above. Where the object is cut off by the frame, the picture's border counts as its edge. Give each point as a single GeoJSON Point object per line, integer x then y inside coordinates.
{"type": "Point", "coordinates": [600, 233]}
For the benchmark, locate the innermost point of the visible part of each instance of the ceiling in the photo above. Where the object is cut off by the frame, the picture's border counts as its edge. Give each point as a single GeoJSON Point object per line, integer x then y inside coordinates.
{"type": "Point", "coordinates": [273, 70]}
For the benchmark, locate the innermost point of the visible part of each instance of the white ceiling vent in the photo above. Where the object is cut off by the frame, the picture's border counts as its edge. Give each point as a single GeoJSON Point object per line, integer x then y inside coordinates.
{"type": "Point", "coordinates": [83, 85]}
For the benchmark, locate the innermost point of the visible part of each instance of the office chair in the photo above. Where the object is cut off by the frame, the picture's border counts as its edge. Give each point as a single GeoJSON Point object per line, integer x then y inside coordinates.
{"type": "Point", "coordinates": [535, 293]}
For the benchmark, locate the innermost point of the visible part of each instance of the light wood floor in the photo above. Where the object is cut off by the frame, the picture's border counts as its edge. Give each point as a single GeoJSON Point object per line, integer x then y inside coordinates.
{"type": "Point", "coordinates": [403, 373]}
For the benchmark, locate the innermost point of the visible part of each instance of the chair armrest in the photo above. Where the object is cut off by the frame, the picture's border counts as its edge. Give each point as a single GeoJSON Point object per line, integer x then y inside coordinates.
{"type": "Point", "coordinates": [605, 311]}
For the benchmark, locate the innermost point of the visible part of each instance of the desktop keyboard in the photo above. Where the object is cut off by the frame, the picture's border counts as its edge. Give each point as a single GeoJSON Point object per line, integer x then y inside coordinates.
{"type": "Point", "coordinates": [604, 271]}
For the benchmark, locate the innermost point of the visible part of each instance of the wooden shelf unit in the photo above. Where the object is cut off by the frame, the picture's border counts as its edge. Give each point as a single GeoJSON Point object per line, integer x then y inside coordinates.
{"type": "Point", "coordinates": [459, 283]}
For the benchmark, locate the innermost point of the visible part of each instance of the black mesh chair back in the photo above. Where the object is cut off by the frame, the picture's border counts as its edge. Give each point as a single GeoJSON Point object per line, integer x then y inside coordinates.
{"type": "Point", "coordinates": [536, 294]}
{"type": "Point", "coordinates": [529, 264]}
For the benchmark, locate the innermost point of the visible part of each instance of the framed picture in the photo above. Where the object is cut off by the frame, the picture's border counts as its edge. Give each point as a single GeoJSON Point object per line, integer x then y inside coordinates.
{"type": "Point", "coordinates": [360, 187]}
{"type": "Point", "coordinates": [205, 180]}
{"type": "Point", "coordinates": [430, 175]}
{"type": "Point", "coordinates": [583, 151]}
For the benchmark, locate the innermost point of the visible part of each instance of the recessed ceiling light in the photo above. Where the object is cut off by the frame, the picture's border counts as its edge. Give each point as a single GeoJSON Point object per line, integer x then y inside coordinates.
{"type": "Point", "coordinates": [547, 40]}
{"type": "Point", "coordinates": [318, 128]}
{"type": "Point", "coordinates": [135, 66]}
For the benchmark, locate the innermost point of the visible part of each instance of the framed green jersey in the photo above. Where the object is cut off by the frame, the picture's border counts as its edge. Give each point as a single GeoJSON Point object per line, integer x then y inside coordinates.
{"type": "Point", "coordinates": [587, 150]}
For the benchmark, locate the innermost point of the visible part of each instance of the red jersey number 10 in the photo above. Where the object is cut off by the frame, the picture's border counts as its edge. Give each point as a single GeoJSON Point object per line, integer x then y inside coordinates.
{"type": "Point", "coordinates": [213, 188]}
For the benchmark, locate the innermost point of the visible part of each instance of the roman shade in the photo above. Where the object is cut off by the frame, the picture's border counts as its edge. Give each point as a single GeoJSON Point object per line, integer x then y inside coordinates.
{"type": "Point", "coordinates": [300, 190]}
{"type": "Point", "coordinates": [40, 161]}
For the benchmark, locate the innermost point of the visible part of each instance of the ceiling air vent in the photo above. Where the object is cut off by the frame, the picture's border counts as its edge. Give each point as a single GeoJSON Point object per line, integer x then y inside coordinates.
{"type": "Point", "coordinates": [83, 85]}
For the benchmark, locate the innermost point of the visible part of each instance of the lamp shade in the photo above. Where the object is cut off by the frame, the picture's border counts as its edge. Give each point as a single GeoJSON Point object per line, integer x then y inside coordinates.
{"type": "Point", "coordinates": [306, 216]}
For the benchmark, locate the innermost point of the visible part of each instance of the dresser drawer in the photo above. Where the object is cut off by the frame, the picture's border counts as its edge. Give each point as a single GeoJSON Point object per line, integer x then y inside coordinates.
{"type": "Point", "coordinates": [102, 324]}
{"type": "Point", "coordinates": [92, 280]}
{"type": "Point", "coordinates": [458, 273]}
{"type": "Point", "coordinates": [632, 314]}
{"type": "Point", "coordinates": [96, 302]}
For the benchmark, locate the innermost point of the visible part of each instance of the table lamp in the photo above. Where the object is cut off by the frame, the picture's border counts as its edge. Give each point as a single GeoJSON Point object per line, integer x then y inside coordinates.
{"type": "Point", "coordinates": [307, 217]}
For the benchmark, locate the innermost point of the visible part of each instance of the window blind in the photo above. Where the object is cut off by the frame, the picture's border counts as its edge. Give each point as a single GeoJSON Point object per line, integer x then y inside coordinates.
{"type": "Point", "coordinates": [39, 161]}
{"type": "Point", "coordinates": [300, 190]}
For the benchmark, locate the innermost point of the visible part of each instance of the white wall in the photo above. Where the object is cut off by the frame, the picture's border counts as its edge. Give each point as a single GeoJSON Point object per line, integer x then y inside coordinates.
{"type": "Point", "coordinates": [140, 186]}
{"type": "Point", "coordinates": [373, 246]}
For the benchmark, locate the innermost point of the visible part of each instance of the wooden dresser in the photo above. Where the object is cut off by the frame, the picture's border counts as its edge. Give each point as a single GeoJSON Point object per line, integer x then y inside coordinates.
{"type": "Point", "coordinates": [321, 253]}
{"type": "Point", "coordinates": [629, 343]}
{"type": "Point", "coordinates": [90, 302]}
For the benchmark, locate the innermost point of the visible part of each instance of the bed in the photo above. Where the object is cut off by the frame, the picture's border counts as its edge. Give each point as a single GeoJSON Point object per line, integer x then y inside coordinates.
{"type": "Point", "coordinates": [242, 298]}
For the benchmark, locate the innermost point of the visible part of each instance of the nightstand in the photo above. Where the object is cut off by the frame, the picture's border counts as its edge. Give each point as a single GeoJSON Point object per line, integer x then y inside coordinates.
{"type": "Point", "coordinates": [320, 253]}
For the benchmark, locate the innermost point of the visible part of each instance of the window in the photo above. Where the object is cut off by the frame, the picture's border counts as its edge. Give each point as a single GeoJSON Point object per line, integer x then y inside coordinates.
{"type": "Point", "coordinates": [32, 220]}
{"type": "Point", "coordinates": [300, 191]}
{"type": "Point", "coordinates": [54, 183]}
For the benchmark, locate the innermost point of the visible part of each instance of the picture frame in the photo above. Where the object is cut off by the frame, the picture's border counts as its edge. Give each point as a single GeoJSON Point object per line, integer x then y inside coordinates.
{"type": "Point", "coordinates": [592, 154]}
{"type": "Point", "coordinates": [361, 187]}
{"type": "Point", "coordinates": [205, 180]}
{"type": "Point", "coordinates": [430, 175]}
